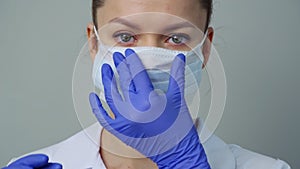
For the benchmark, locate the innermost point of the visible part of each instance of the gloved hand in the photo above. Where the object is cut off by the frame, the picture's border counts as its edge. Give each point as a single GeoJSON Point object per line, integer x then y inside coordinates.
{"type": "Point", "coordinates": [35, 161]}
{"type": "Point", "coordinates": [157, 125]}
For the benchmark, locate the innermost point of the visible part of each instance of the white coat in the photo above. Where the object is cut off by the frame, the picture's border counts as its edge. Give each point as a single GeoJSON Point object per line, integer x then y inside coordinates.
{"type": "Point", "coordinates": [81, 151]}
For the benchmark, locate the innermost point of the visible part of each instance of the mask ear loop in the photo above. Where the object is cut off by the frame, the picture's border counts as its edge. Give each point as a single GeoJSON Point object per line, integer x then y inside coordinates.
{"type": "Point", "coordinates": [204, 38]}
{"type": "Point", "coordinates": [96, 33]}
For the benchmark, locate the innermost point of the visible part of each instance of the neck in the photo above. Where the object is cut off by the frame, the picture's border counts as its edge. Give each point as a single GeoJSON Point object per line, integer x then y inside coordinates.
{"type": "Point", "coordinates": [116, 154]}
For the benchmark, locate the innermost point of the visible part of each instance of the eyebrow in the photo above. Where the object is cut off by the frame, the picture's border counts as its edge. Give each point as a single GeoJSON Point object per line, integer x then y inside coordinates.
{"type": "Point", "coordinates": [125, 22]}
{"type": "Point", "coordinates": [179, 25]}
{"type": "Point", "coordinates": [175, 26]}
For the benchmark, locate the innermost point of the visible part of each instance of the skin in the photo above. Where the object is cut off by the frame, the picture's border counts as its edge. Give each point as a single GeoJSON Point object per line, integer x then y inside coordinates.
{"type": "Point", "coordinates": [116, 154]}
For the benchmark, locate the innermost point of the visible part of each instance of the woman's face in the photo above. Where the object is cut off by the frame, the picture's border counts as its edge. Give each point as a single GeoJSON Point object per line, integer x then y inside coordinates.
{"type": "Point", "coordinates": [171, 24]}
{"type": "Point", "coordinates": [131, 23]}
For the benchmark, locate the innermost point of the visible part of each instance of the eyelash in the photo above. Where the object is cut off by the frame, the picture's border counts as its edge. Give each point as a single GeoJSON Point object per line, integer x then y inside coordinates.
{"type": "Point", "coordinates": [118, 38]}
{"type": "Point", "coordinates": [179, 35]}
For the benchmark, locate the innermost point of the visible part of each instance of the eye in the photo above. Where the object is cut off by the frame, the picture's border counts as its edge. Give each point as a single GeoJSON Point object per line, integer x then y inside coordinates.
{"type": "Point", "coordinates": [124, 38]}
{"type": "Point", "coordinates": [178, 39]}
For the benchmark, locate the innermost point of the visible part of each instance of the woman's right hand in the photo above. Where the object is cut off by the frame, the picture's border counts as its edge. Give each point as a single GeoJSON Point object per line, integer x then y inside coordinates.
{"type": "Point", "coordinates": [34, 161]}
{"type": "Point", "coordinates": [157, 125]}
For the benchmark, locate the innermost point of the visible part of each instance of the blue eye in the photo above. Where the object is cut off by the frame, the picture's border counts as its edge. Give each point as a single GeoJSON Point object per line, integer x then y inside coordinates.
{"type": "Point", "coordinates": [178, 39]}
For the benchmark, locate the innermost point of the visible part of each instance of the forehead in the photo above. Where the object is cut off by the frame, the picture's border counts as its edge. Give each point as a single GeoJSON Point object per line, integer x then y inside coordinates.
{"type": "Point", "coordinates": [189, 10]}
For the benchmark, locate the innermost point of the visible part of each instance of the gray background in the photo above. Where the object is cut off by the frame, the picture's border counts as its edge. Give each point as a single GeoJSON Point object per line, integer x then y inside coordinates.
{"type": "Point", "coordinates": [257, 40]}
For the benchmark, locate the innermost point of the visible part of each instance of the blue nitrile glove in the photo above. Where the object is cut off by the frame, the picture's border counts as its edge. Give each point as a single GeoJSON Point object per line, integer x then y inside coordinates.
{"type": "Point", "coordinates": [35, 161]}
{"type": "Point", "coordinates": [157, 125]}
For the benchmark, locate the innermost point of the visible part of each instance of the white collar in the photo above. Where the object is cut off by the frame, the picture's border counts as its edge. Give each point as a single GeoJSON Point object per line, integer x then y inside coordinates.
{"type": "Point", "coordinates": [218, 153]}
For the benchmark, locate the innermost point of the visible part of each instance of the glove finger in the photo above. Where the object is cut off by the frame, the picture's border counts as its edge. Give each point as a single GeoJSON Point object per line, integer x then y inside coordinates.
{"type": "Point", "coordinates": [34, 161]}
{"type": "Point", "coordinates": [53, 166]}
{"type": "Point", "coordinates": [112, 94]}
{"type": "Point", "coordinates": [98, 110]}
{"type": "Point", "coordinates": [177, 80]}
{"type": "Point", "coordinates": [110, 86]}
{"type": "Point", "coordinates": [139, 74]}
{"type": "Point", "coordinates": [18, 167]}
{"type": "Point", "coordinates": [124, 75]}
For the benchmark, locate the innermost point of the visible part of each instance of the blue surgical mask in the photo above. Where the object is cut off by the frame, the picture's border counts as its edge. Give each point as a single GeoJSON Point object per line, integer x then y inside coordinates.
{"type": "Point", "coordinates": [157, 62]}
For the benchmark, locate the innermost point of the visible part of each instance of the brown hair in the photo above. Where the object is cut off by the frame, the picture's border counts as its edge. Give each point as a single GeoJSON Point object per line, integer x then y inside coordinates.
{"type": "Point", "coordinates": [206, 4]}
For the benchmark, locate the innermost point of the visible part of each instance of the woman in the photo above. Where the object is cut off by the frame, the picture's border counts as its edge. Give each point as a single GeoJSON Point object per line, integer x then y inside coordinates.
{"type": "Point", "coordinates": [115, 151]}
